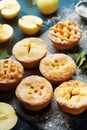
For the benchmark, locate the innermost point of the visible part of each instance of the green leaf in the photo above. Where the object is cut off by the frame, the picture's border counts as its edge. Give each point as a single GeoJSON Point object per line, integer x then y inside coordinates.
{"type": "Point", "coordinates": [82, 60]}
{"type": "Point", "coordinates": [84, 66]}
{"type": "Point", "coordinates": [74, 56]}
{"type": "Point", "coordinates": [79, 57]}
{"type": "Point", "coordinates": [32, 3]}
{"type": "Point", "coordinates": [4, 55]}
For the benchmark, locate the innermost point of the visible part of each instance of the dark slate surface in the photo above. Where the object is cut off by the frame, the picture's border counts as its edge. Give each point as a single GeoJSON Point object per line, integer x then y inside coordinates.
{"type": "Point", "coordinates": [50, 118]}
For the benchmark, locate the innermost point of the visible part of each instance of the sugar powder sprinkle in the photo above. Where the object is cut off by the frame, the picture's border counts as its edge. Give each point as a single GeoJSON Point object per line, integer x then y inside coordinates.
{"type": "Point", "coordinates": [52, 118]}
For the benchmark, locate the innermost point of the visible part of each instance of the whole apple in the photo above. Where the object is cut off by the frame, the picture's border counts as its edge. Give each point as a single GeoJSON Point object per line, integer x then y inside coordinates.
{"type": "Point", "coordinates": [47, 6]}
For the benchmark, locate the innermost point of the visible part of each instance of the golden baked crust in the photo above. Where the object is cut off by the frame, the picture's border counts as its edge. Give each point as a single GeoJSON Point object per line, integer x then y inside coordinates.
{"type": "Point", "coordinates": [65, 34]}
{"type": "Point", "coordinates": [34, 92]}
{"type": "Point", "coordinates": [72, 96]}
{"type": "Point", "coordinates": [57, 68]}
{"type": "Point", "coordinates": [11, 73]}
{"type": "Point", "coordinates": [30, 51]}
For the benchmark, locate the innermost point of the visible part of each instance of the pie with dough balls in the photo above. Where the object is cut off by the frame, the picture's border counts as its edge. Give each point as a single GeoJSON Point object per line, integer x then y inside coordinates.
{"type": "Point", "coordinates": [57, 67]}
{"type": "Point", "coordinates": [34, 92]}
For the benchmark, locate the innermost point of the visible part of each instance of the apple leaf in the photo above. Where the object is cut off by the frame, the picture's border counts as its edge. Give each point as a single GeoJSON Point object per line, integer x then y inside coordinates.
{"type": "Point", "coordinates": [4, 50]}
{"type": "Point", "coordinates": [4, 54]}
{"type": "Point", "coordinates": [32, 2]}
{"type": "Point", "coordinates": [80, 58]}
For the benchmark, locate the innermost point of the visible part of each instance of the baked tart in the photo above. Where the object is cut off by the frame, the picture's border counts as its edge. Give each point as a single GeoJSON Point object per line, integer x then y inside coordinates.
{"type": "Point", "coordinates": [72, 96]}
{"type": "Point", "coordinates": [11, 73]}
{"type": "Point", "coordinates": [34, 92]}
{"type": "Point", "coordinates": [65, 34]}
{"type": "Point", "coordinates": [30, 51]}
{"type": "Point", "coordinates": [57, 67]}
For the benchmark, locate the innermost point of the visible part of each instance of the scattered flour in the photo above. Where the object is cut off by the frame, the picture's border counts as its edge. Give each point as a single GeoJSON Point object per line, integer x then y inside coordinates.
{"type": "Point", "coordinates": [52, 118]}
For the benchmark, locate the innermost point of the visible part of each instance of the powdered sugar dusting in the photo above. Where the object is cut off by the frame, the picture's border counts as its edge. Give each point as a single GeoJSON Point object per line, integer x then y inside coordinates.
{"type": "Point", "coordinates": [52, 117]}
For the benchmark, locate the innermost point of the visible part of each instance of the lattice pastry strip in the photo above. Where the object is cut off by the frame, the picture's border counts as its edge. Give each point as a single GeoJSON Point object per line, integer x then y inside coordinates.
{"type": "Point", "coordinates": [65, 34]}
{"type": "Point", "coordinates": [65, 30]}
{"type": "Point", "coordinates": [10, 70]}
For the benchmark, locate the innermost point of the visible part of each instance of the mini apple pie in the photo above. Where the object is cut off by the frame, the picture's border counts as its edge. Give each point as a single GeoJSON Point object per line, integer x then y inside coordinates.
{"type": "Point", "coordinates": [34, 92]}
{"type": "Point", "coordinates": [57, 68]}
{"type": "Point", "coordinates": [72, 96]}
{"type": "Point", "coordinates": [65, 34]}
{"type": "Point", "coordinates": [11, 73]}
{"type": "Point", "coordinates": [30, 51]}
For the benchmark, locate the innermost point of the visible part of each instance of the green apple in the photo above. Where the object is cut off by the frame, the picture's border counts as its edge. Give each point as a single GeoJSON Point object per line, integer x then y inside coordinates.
{"type": "Point", "coordinates": [47, 6]}
{"type": "Point", "coordinates": [8, 117]}
{"type": "Point", "coordinates": [9, 8]}
{"type": "Point", "coordinates": [30, 24]}
{"type": "Point", "coordinates": [6, 32]}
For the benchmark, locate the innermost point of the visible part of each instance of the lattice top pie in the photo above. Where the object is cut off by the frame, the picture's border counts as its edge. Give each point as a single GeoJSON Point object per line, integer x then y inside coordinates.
{"type": "Point", "coordinates": [65, 34]}
{"type": "Point", "coordinates": [10, 72]}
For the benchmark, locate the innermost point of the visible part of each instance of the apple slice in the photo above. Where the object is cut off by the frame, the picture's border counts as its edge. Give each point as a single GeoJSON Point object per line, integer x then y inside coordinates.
{"type": "Point", "coordinates": [6, 32]}
{"type": "Point", "coordinates": [30, 24]}
{"type": "Point", "coordinates": [9, 8]}
{"type": "Point", "coordinates": [8, 117]}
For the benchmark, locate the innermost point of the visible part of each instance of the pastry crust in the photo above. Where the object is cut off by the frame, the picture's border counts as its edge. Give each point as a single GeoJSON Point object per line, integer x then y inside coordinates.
{"type": "Point", "coordinates": [57, 68]}
{"type": "Point", "coordinates": [72, 96]}
{"type": "Point", "coordinates": [30, 51]}
{"type": "Point", "coordinates": [11, 73]}
{"type": "Point", "coordinates": [65, 34]}
{"type": "Point", "coordinates": [34, 92]}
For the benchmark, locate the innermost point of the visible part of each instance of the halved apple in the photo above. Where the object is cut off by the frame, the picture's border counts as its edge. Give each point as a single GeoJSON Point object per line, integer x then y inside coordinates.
{"type": "Point", "coordinates": [6, 32]}
{"type": "Point", "coordinates": [30, 24]}
{"type": "Point", "coordinates": [8, 117]}
{"type": "Point", "coordinates": [9, 8]}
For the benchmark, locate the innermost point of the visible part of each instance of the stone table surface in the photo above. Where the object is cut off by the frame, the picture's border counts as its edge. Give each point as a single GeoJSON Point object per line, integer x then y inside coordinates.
{"type": "Point", "coordinates": [52, 117]}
